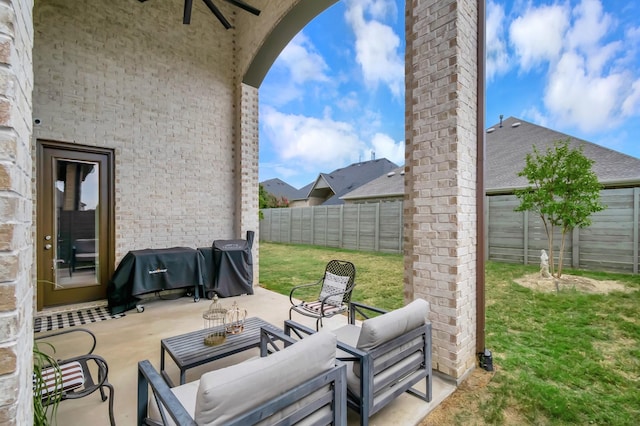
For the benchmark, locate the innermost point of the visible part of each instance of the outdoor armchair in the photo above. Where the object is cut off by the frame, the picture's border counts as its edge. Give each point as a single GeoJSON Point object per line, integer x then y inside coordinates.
{"type": "Point", "coordinates": [74, 377]}
{"type": "Point", "coordinates": [301, 383]}
{"type": "Point", "coordinates": [83, 252]}
{"type": "Point", "coordinates": [386, 355]}
{"type": "Point", "coordinates": [333, 292]}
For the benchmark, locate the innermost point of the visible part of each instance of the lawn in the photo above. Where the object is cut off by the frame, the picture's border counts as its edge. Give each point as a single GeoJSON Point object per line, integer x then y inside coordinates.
{"type": "Point", "coordinates": [560, 358]}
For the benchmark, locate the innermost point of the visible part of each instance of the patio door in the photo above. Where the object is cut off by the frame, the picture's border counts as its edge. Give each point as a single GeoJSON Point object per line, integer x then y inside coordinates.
{"type": "Point", "coordinates": [74, 246]}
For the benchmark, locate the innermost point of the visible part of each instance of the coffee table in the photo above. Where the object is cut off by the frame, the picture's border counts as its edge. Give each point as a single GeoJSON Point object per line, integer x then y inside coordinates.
{"type": "Point", "coordinates": [188, 350]}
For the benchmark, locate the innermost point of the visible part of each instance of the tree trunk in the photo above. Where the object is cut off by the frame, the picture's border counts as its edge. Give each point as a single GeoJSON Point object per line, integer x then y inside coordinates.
{"type": "Point", "coordinates": [551, 255]}
{"type": "Point", "coordinates": [561, 254]}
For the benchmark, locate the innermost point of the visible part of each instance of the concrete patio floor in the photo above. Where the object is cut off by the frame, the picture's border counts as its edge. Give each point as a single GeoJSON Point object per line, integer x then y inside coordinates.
{"type": "Point", "coordinates": [135, 337]}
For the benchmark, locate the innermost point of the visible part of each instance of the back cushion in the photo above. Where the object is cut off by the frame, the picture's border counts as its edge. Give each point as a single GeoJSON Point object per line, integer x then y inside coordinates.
{"type": "Point", "coordinates": [334, 284]}
{"type": "Point", "coordinates": [381, 329]}
{"type": "Point", "coordinates": [226, 393]}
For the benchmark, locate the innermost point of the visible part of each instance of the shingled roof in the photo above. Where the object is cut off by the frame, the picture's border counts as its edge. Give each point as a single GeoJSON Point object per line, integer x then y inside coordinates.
{"type": "Point", "coordinates": [506, 151]}
{"type": "Point", "coordinates": [280, 188]}
{"type": "Point", "coordinates": [508, 146]}
{"type": "Point", "coordinates": [390, 185]}
{"type": "Point", "coordinates": [346, 179]}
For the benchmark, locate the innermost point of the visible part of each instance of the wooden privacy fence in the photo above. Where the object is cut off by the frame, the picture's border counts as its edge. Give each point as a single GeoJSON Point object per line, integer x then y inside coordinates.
{"type": "Point", "coordinates": [369, 227]}
{"type": "Point", "coordinates": [611, 243]}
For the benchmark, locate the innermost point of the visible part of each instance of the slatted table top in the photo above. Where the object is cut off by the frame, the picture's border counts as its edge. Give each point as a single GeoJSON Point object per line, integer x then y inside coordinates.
{"type": "Point", "coordinates": [188, 350]}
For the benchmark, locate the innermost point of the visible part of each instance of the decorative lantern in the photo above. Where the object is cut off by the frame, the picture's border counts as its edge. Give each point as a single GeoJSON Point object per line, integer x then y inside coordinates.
{"type": "Point", "coordinates": [214, 322]}
{"type": "Point", "coordinates": [234, 321]}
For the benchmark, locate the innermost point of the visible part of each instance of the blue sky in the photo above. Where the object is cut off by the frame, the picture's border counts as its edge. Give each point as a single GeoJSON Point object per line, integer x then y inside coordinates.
{"type": "Point", "coordinates": [335, 95]}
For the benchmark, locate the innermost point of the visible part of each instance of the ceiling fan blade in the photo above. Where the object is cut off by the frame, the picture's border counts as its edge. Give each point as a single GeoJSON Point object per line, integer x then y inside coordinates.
{"type": "Point", "coordinates": [212, 7]}
{"type": "Point", "coordinates": [186, 19]}
{"type": "Point", "coordinates": [245, 6]}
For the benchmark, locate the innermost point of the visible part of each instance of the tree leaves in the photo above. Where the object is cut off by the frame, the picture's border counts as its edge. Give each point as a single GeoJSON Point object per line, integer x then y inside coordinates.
{"type": "Point", "coordinates": [562, 189]}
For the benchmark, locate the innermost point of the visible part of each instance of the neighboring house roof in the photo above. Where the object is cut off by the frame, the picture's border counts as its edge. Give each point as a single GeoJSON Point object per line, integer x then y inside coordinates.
{"type": "Point", "coordinates": [389, 185]}
{"type": "Point", "coordinates": [506, 151]}
{"type": "Point", "coordinates": [280, 188]}
{"type": "Point", "coordinates": [508, 146]}
{"type": "Point", "coordinates": [334, 185]}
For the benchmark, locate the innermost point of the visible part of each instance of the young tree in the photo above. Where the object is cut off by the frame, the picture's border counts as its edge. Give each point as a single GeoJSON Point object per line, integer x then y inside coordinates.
{"type": "Point", "coordinates": [268, 201]}
{"type": "Point", "coordinates": [563, 190]}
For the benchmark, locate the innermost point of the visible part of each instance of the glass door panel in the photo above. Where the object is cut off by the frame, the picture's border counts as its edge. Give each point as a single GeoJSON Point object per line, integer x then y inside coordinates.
{"type": "Point", "coordinates": [75, 223]}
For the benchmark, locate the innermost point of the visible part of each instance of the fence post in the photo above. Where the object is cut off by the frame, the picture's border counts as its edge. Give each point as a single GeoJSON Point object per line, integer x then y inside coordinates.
{"type": "Point", "coordinates": [575, 248]}
{"type": "Point", "coordinates": [358, 228]}
{"type": "Point", "coordinates": [636, 215]}
{"type": "Point", "coordinates": [313, 225]}
{"type": "Point", "coordinates": [341, 230]}
{"type": "Point", "coordinates": [487, 246]}
{"type": "Point", "coordinates": [326, 226]}
{"type": "Point", "coordinates": [401, 230]}
{"type": "Point", "coordinates": [290, 226]}
{"type": "Point", "coordinates": [525, 227]}
{"type": "Point", "coordinates": [376, 239]}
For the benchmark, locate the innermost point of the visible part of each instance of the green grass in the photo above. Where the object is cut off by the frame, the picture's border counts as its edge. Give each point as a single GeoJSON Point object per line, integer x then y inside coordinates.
{"type": "Point", "coordinates": [561, 359]}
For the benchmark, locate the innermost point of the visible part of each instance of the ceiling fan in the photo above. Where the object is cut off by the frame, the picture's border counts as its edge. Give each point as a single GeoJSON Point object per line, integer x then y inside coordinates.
{"type": "Point", "coordinates": [186, 19]}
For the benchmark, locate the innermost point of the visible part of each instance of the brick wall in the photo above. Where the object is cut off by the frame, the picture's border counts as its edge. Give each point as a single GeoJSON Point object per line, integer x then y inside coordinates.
{"type": "Point", "coordinates": [440, 180]}
{"type": "Point", "coordinates": [247, 164]}
{"type": "Point", "coordinates": [131, 77]}
{"type": "Point", "coordinates": [16, 239]}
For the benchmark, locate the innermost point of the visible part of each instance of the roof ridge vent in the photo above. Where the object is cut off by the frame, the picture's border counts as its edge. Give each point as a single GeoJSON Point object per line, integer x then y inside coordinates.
{"type": "Point", "coordinates": [391, 174]}
{"type": "Point", "coordinates": [402, 173]}
{"type": "Point", "coordinates": [516, 124]}
{"type": "Point", "coordinates": [491, 130]}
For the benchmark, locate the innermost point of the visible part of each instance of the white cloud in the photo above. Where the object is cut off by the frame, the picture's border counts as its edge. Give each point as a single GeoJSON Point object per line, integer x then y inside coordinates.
{"type": "Point", "coordinates": [575, 97]}
{"type": "Point", "coordinates": [297, 65]}
{"type": "Point", "coordinates": [631, 104]}
{"type": "Point", "coordinates": [592, 80]}
{"type": "Point", "coordinates": [377, 46]}
{"type": "Point", "coordinates": [311, 143]}
{"type": "Point", "coordinates": [589, 27]}
{"type": "Point", "coordinates": [385, 147]}
{"type": "Point", "coordinates": [538, 35]}
{"type": "Point", "coordinates": [302, 61]}
{"type": "Point", "coordinates": [497, 56]}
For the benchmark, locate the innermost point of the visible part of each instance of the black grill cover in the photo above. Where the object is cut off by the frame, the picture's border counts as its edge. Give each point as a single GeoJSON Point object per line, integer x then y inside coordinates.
{"type": "Point", "coordinates": [233, 266]}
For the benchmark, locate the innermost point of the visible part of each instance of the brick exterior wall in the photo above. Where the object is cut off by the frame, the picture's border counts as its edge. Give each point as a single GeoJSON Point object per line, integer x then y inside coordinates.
{"type": "Point", "coordinates": [440, 183]}
{"type": "Point", "coordinates": [167, 99]}
{"type": "Point", "coordinates": [131, 77]}
{"type": "Point", "coordinates": [16, 238]}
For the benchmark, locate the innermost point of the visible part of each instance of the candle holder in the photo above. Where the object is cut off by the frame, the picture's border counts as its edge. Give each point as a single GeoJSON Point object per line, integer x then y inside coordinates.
{"type": "Point", "coordinates": [234, 319]}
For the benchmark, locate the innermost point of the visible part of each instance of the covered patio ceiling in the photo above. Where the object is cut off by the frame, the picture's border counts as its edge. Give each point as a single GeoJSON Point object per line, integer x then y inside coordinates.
{"type": "Point", "coordinates": [188, 5]}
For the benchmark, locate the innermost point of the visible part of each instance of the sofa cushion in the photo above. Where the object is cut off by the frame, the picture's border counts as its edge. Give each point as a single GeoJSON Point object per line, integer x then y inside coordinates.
{"type": "Point", "coordinates": [381, 329]}
{"type": "Point", "coordinates": [186, 394]}
{"type": "Point", "coordinates": [229, 392]}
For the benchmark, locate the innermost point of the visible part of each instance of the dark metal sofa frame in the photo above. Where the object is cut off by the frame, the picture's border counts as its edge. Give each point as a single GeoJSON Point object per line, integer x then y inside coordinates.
{"type": "Point", "coordinates": [367, 405]}
{"type": "Point", "coordinates": [148, 377]}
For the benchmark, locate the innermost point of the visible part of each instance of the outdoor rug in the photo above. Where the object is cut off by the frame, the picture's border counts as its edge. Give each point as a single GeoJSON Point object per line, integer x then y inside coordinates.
{"type": "Point", "coordinates": [71, 318]}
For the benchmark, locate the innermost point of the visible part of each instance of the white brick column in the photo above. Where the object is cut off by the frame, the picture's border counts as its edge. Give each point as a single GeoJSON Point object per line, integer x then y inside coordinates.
{"type": "Point", "coordinates": [440, 193]}
{"type": "Point", "coordinates": [17, 276]}
{"type": "Point", "coordinates": [247, 168]}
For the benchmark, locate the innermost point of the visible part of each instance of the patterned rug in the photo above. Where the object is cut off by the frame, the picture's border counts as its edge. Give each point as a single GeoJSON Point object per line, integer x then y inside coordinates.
{"type": "Point", "coordinates": [69, 319]}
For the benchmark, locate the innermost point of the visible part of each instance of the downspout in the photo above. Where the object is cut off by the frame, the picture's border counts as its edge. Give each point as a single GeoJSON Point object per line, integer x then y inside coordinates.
{"type": "Point", "coordinates": [484, 355]}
